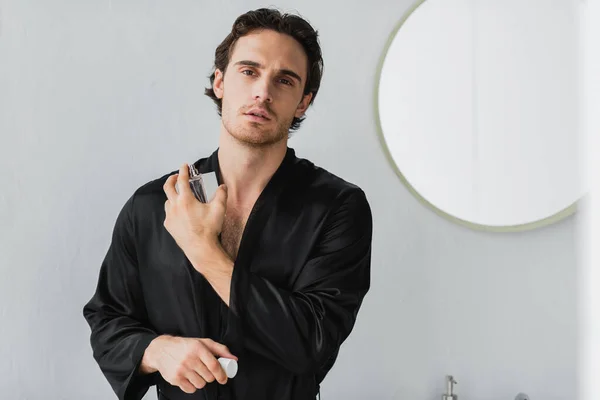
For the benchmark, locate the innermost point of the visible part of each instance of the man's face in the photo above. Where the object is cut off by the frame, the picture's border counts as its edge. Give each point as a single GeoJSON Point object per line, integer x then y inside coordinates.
{"type": "Point", "coordinates": [262, 90]}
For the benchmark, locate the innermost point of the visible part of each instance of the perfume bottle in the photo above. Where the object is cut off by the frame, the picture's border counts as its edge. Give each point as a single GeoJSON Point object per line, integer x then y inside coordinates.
{"type": "Point", "coordinates": [197, 184]}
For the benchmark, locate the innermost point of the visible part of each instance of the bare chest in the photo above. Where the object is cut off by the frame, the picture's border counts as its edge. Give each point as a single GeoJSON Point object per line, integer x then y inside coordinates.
{"type": "Point", "coordinates": [233, 228]}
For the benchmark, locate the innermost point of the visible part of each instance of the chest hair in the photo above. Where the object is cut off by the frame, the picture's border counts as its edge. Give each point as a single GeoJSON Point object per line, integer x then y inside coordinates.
{"type": "Point", "coordinates": [233, 227]}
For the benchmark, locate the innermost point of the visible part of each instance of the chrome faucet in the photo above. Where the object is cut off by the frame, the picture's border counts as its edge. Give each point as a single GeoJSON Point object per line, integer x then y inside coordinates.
{"type": "Point", "coordinates": [450, 382]}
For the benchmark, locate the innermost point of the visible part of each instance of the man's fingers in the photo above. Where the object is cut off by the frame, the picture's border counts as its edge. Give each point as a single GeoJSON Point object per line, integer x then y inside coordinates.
{"type": "Point", "coordinates": [218, 349]}
{"type": "Point", "coordinates": [183, 181]}
{"type": "Point", "coordinates": [169, 187]}
{"type": "Point", "coordinates": [220, 196]}
{"type": "Point", "coordinates": [196, 379]}
{"type": "Point", "coordinates": [185, 385]}
{"type": "Point", "coordinates": [214, 366]}
{"type": "Point", "coordinates": [202, 370]}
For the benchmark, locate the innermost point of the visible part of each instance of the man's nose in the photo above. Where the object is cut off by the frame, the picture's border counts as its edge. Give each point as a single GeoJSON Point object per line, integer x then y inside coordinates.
{"type": "Point", "coordinates": [263, 91]}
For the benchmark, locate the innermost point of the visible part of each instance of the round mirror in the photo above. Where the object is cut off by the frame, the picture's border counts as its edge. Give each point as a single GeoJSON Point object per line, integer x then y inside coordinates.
{"type": "Point", "coordinates": [478, 109]}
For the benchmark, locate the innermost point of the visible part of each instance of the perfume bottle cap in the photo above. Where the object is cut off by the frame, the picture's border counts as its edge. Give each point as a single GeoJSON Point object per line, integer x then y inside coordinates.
{"type": "Point", "coordinates": [229, 365]}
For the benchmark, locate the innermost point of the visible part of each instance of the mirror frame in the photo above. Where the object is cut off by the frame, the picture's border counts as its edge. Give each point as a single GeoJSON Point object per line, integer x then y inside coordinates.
{"type": "Point", "coordinates": [556, 217]}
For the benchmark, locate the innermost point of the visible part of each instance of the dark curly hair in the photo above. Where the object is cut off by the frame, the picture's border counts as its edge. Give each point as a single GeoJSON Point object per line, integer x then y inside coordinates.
{"type": "Point", "coordinates": [292, 25]}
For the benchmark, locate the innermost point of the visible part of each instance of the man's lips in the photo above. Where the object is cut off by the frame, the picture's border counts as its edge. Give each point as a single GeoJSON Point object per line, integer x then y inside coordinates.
{"type": "Point", "coordinates": [256, 118]}
{"type": "Point", "coordinates": [259, 113]}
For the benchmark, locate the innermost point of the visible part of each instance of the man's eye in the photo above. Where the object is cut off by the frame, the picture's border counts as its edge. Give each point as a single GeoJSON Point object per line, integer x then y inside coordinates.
{"type": "Point", "coordinates": [285, 81]}
{"type": "Point", "coordinates": [247, 72]}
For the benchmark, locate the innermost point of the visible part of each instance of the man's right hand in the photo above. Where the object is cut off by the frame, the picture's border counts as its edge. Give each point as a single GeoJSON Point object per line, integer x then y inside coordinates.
{"type": "Point", "coordinates": [188, 363]}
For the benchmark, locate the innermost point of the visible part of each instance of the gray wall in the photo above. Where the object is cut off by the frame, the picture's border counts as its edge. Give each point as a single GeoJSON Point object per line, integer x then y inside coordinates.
{"type": "Point", "coordinates": [97, 98]}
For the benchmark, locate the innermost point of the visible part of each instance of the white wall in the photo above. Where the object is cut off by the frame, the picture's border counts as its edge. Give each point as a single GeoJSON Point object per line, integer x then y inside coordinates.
{"type": "Point", "coordinates": [97, 98]}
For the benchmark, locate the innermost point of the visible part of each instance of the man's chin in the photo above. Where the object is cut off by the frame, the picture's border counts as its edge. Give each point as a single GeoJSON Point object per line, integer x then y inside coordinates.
{"type": "Point", "coordinates": [258, 139]}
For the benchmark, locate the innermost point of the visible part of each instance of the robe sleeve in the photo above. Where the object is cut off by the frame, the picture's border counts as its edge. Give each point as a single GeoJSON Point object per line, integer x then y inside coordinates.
{"type": "Point", "coordinates": [117, 315]}
{"type": "Point", "coordinates": [302, 328]}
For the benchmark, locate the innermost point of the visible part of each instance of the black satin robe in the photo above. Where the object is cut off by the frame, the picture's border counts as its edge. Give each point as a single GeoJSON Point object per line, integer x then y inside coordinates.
{"type": "Point", "coordinates": [302, 271]}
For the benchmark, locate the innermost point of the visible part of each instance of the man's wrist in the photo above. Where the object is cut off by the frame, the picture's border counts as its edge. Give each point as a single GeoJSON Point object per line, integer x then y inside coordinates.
{"type": "Point", "coordinates": [148, 364]}
{"type": "Point", "coordinates": [210, 257]}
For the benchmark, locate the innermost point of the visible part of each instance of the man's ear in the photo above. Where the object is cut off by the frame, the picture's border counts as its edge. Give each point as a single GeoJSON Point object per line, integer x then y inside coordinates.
{"type": "Point", "coordinates": [303, 105]}
{"type": "Point", "coordinates": [218, 84]}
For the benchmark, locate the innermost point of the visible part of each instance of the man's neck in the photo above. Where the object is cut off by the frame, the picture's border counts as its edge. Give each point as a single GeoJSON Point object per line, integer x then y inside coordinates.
{"type": "Point", "coordinates": [245, 169]}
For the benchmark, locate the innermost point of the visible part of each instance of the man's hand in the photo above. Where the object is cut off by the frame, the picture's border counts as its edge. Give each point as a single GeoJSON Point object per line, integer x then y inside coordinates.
{"type": "Point", "coordinates": [188, 363]}
{"type": "Point", "coordinates": [195, 226]}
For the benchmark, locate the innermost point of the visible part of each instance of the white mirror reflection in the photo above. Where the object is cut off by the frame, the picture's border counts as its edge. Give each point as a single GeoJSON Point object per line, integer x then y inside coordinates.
{"type": "Point", "coordinates": [478, 108]}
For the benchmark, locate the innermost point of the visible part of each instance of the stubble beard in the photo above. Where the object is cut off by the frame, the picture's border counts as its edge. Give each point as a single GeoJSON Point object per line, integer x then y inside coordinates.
{"type": "Point", "coordinates": [255, 134]}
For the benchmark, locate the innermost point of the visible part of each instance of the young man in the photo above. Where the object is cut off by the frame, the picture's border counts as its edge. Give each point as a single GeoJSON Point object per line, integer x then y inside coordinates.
{"type": "Point", "coordinates": [271, 272]}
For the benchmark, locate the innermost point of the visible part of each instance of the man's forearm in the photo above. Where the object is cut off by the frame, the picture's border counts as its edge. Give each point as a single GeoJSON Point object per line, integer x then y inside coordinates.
{"type": "Point", "coordinates": [221, 282]}
{"type": "Point", "coordinates": [216, 266]}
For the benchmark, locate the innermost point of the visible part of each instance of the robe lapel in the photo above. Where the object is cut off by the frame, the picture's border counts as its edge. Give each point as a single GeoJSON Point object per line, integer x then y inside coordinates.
{"type": "Point", "coordinates": [264, 206]}
{"type": "Point", "coordinates": [261, 210]}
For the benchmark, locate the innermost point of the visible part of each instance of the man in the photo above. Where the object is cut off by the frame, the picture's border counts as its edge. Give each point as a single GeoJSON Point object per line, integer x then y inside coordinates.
{"type": "Point", "coordinates": [271, 272]}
